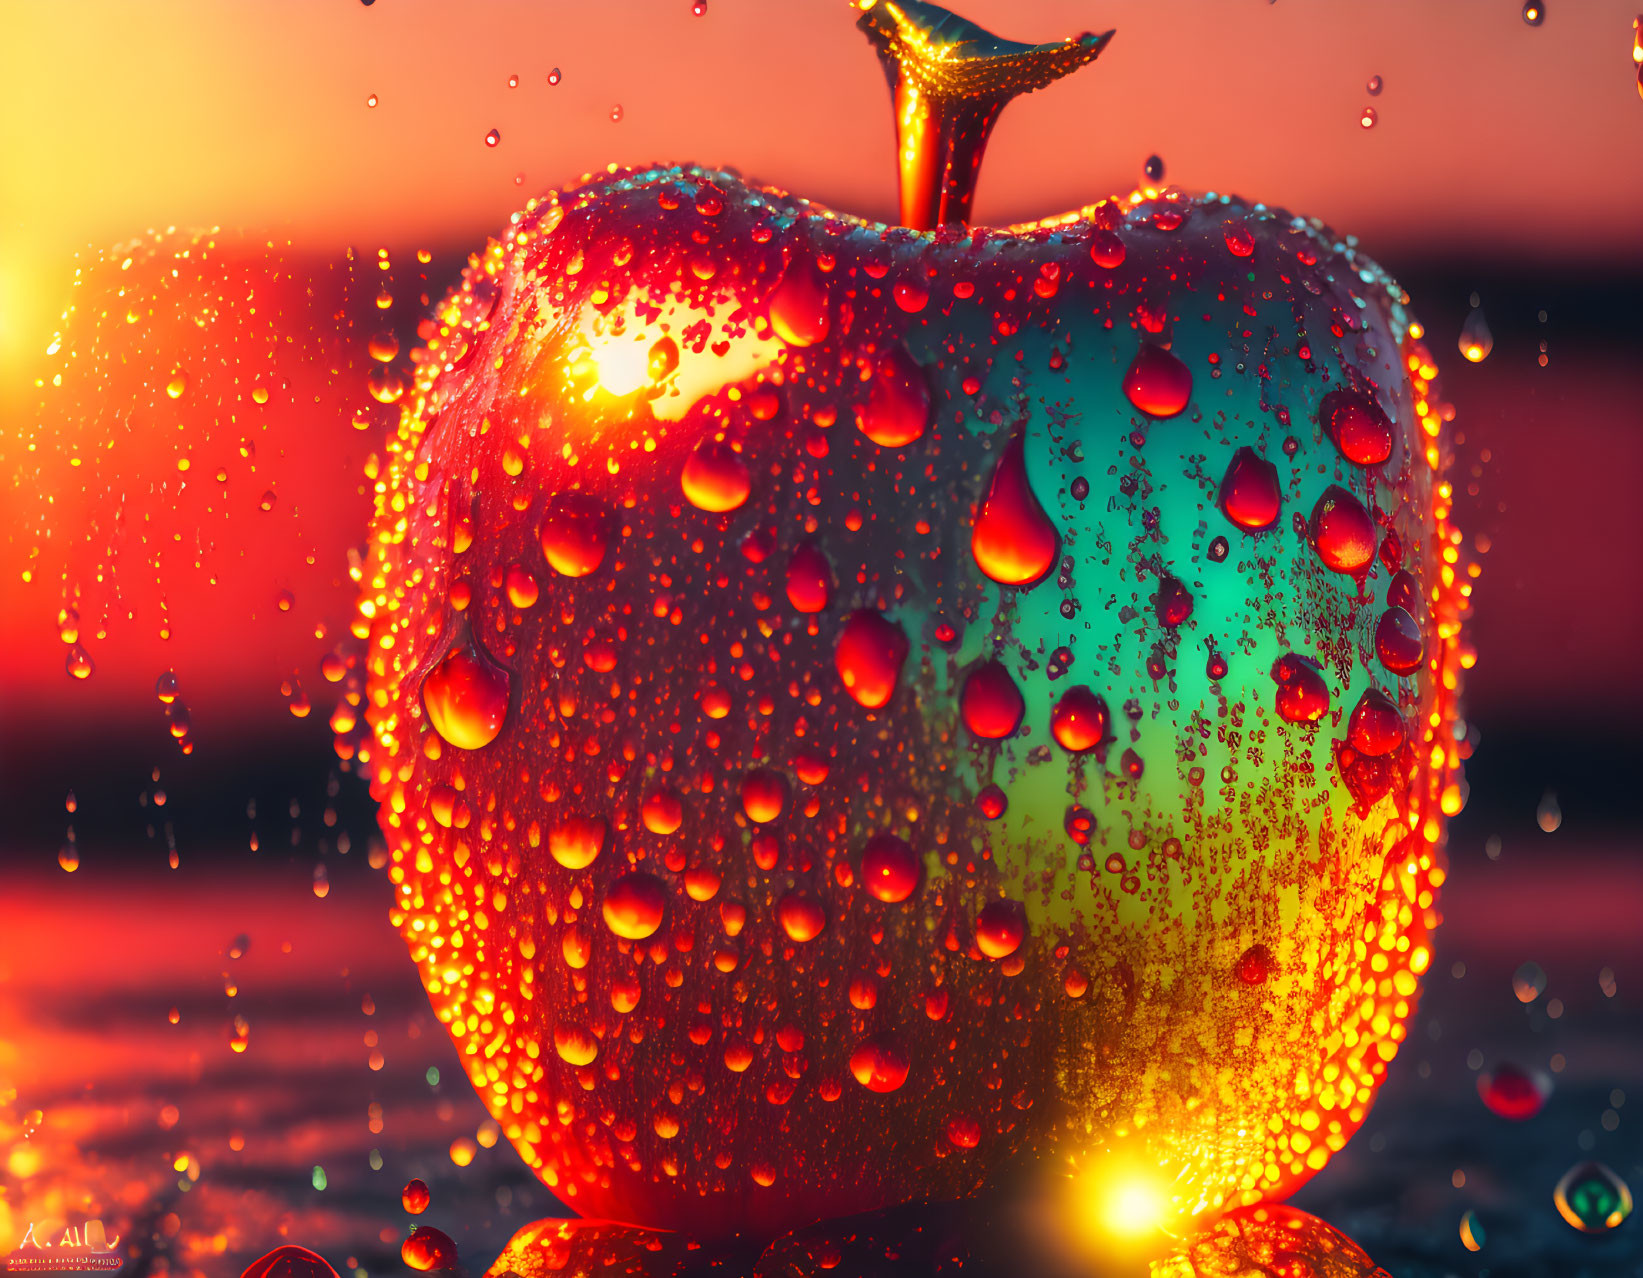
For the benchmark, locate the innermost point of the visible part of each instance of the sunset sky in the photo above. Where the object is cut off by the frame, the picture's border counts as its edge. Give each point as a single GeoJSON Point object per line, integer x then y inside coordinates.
{"type": "Point", "coordinates": [115, 117]}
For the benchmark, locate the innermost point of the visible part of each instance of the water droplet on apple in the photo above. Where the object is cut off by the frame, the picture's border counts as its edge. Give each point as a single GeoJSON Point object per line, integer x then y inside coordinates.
{"type": "Point", "coordinates": [1358, 427]}
{"type": "Point", "coordinates": [889, 868]}
{"type": "Point", "coordinates": [869, 656]}
{"type": "Point", "coordinates": [801, 916]}
{"type": "Point", "coordinates": [1398, 642]}
{"type": "Point", "coordinates": [715, 478]}
{"type": "Point", "coordinates": [1106, 249]}
{"type": "Point", "coordinates": [990, 703]}
{"type": "Point", "coordinates": [809, 579]}
{"type": "Point", "coordinates": [1013, 540]}
{"type": "Point", "coordinates": [1000, 928]}
{"type": "Point", "coordinates": [879, 1063]}
{"type": "Point", "coordinates": [633, 906]}
{"type": "Point", "coordinates": [575, 841]}
{"type": "Point", "coordinates": [1173, 602]}
{"type": "Point", "coordinates": [574, 533]}
{"type": "Point", "coordinates": [1080, 719]}
{"type": "Point", "coordinates": [466, 695]}
{"type": "Point", "coordinates": [1343, 532]}
{"type": "Point", "coordinates": [663, 811]}
{"type": "Point", "coordinates": [1303, 696]}
{"type": "Point", "coordinates": [1157, 382]}
{"type": "Point", "coordinates": [1255, 965]}
{"type": "Point", "coordinates": [897, 407]}
{"type": "Point", "coordinates": [764, 795]}
{"type": "Point", "coordinates": [1375, 727]}
{"type": "Point", "coordinates": [1249, 494]}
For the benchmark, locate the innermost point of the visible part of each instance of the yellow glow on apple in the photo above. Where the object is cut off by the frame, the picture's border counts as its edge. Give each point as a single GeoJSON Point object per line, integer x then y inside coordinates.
{"type": "Point", "coordinates": [1133, 1206]}
{"type": "Point", "coordinates": [621, 364]}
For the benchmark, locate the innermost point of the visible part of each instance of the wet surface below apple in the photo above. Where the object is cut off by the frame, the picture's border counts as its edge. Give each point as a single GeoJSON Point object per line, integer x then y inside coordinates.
{"type": "Point", "coordinates": [210, 1107]}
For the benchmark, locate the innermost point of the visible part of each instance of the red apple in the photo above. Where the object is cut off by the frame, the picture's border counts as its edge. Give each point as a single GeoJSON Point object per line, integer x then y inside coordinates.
{"type": "Point", "coordinates": [852, 702]}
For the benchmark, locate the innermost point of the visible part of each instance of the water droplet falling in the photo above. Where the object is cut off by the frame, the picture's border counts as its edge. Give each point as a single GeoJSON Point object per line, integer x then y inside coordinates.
{"type": "Point", "coordinates": [1374, 87]}
{"type": "Point", "coordinates": [1153, 169]}
{"type": "Point", "coordinates": [1548, 815]}
{"type": "Point", "coordinates": [1534, 13]}
{"type": "Point", "coordinates": [1513, 1093]}
{"type": "Point", "coordinates": [415, 1197]}
{"type": "Point", "coordinates": [493, 137]}
{"type": "Point", "coordinates": [1476, 341]}
{"type": "Point", "coordinates": [1367, 118]}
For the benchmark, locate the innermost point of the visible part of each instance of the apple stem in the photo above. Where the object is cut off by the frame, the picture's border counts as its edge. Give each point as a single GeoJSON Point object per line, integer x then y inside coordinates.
{"type": "Point", "coordinates": [949, 79]}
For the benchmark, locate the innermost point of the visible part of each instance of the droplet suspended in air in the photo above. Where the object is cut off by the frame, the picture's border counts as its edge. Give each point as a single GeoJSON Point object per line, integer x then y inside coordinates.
{"type": "Point", "coordinates": [1357, 426]}
{"type": "Point", "coordinates": [415, 1197]}
{"type": "Point", "coordinates": [493, 137]}
{"type": "Point", "coordinates": [1534, 12]}
{"type": "Point", "coordinates": [1153, 169]}
{"type": "Point", "coordinates": [1000, 928]}
{"type": "Point", "coordinates": [1013, 540]}
{"type": "Point", "coordinates": [466, 695]}
{"type": "Point", "coordinates": [1513, 1093]}
{"type": "Point", "coordinates": [1548, 814]}
{"type": "Point", "coordinates": [897, 408]}
{"type": "Point", "coordinates": [1157, 382]}
{"type": "Point", "coordinates": [616, 114]}
{"type": "Point", "coordinates": [1343, 532]}
{"type": "Point", "coordinates": [990, 703]}
{"type": "Point", "coordinates": [1250, 496]}
{"type": "Point", "coordinates": [633, 906]}
{"type": "Point", "coordinates": [1080, 719]}
{"type": "Point", "coordinates": [1476, 341]}
{"type": "Point", "coordinates": [879, 1064]}
{"type": "Point", "coordinates": [1374, 87]}
{"type": "Point", "coordinates": [1367, 118]}
{"type": "Point", "coordinates": [1592, 1199]}
{"type": "Point", "coordinates": [889, 868]}
{"type": "Point", "coordinates": [1528, 982]}
{"type": "Point", "coordinates": [1303, 696]}
{"type": "Point", "coordinates": [78, 662]}
{"type": "Point", "coordinates": [553, 76]}
{"type": "Point", "coordinates": [428, 1248]}
{"type": "Point", "coordinates": [715, 478]}
{"type": "Point", "coordinates": [869, 657]}
{"type": "Point", "coordinates": [574, 533]}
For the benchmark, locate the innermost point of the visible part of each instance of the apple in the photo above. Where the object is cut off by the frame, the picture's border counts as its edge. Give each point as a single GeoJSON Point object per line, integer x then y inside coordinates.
{"type": "Point", "coordinates": [856, 704]}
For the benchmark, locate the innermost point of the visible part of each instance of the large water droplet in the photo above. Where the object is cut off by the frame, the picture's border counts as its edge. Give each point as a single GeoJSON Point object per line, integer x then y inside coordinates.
{"type": "Point", "coordinates": [897, 408]}
{"type": "Point", "coordinates": [1013, 540]}
{"type": "Point", "coordinates": [1079, 720]}
{"type": "Point", "coordinates": [889, 868]}
{"type": "Point", "coordinates": [1249, 494]}
{"type": "Point", "coordinates": [466, 695]}
{"type": "Point", "coordinates": [715, 477]}
{"type": "Point", "coordinates": [798, 307]}
{"type": "Point", "coordinates": [575, 1044]}
{"type": "Point", "coordinates": [574, 534]}
{"type": "Point", "coordinates": [633, 906]}
{"type": "Point", "coordinates": [1376, 727]}
{"type": "Point", "coordinates": [415, 1197]}
{"type": "Point", "coordinates": [1157, 382]}
{"type": "Point", "coordinates": [1343, 532]}
{"type": "Point", "coordinates": [869, 656]}
{"type": "Point", "coordinates": [662, 812]}
{"type": "Point", "coordinates": [1358, 427]}
{"type": "Point", "coordinates": [990, 703]}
